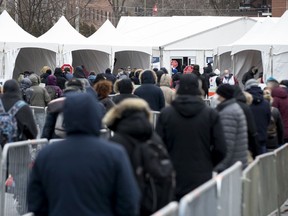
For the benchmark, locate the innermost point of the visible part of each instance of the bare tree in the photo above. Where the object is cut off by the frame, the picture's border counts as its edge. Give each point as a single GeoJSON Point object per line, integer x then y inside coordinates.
{"type": "Point", "coordinates": [118, 8]}
{"type": "Point", "coordinates": [38, 16]}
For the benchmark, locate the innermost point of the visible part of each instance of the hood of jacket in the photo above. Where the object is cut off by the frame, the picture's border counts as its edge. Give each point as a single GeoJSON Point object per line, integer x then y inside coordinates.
{"type": "Point", "coordinates": [148, 77]}
{"type": "Point", "coordinates": [239, 95]}
{"type": "Point", "coordinates": [257, 94]}
{"type": "Point", "coordinates": [132, 117]}
{"type": "Point", "coordinates": [82, 114]}
{"type": "Point", "coordinates": [79, 73]}
{"type": "Point", "coordinates": [279, 92]}
{"type": "Point", "coordinates": [11, 88]}
{"type": "Point", "coordinates": [188, 105]}
{"type": "Point", "coordinates": [165, 80]}
{"type": "Point", "coordinates": [35, 79]}
{"type": "Point", "coordinates": [25, 83]}
{"type": "Point", "coordinates": [51, 80]}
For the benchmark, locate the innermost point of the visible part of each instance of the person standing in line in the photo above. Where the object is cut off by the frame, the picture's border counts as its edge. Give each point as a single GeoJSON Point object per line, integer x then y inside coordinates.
{"type": "Point", "coordinates": [261, 112]}
{"type": "Point", "coordinates": [148, 90]}
{"type": "Point", "coordinates": [234, 125]}
{"type": "Point", "coordinates": [17, 168]}
{"type": "Point", "coordinates": [123, 89]}
{"type": "Point", "coordinates": [280, 101]}
{"type": "Point", "coordinates": [83, 174]}
{"type": "Point", "coordinates": [165, 85]}
{"type": "Point", "coordinates": [253, 144]}
{"type": "Point", "coordinates": [193, 136]}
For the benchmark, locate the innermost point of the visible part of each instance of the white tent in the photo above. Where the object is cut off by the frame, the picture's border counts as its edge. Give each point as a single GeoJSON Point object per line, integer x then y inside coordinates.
{"type": "Point", "coordinates": [279, 36]}
{"type": "Point", "coordinates": [265, 46]}
{"type": "Point", "coordinates": [190, 40]}
{"type": "Point", "coordinates": [13, 39]}
{"type": "Point", "coordinates": [125, 51]}
{"type": "Point", "coordinates": [250, 50]}
{"type": "Point", "coordinates": [73, 48]}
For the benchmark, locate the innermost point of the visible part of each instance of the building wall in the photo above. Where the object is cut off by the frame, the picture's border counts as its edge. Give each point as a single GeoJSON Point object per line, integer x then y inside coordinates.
{"type": "Point", "coordinates": [279, 7]}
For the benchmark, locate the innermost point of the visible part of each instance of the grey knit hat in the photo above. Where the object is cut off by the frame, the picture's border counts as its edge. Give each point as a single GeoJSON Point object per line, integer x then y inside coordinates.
{"type": "Point", "coordinates": [250, 83]}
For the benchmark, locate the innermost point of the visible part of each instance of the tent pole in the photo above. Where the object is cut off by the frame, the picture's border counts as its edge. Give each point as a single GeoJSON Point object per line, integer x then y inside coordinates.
{"type": "Point", "coordinates": [161, 56]}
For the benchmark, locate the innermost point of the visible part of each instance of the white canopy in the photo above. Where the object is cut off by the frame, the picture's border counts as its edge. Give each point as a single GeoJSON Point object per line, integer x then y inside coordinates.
{"type": "Point", "coordinates": [72, 47]}
{"type": "Point", "coordinates": [265, 46]}
{"type": "Point", "coordinates": [12, 39]}
{"type": "Point", "coordinates": [126, 51]}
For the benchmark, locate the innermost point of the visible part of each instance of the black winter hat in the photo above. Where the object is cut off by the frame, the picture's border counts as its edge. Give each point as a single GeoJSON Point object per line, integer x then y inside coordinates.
{"type": "Point", "coordinates": [226, 91]}
{"type": "Point", "coordinates": [188, 85]}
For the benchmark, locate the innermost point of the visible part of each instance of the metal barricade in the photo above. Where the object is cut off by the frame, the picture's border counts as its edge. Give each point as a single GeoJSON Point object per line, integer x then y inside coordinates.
{"type": "Point", "coordinates": [105, 133]}
{"type": "Point", "coordinates": [229, 184]}
{"type": "Point", "coordinates": [169, 210]}
{"type": "Point", "coordinates": [17, 161]}
{"type": "Point", "coordinates": [268, 184]}
{"type": "Point", "coordinates": [201, 201]}
{"type": "Point", "coordinates": [155, 115]}
{"type": "Point", "coordinates": [250, 189]}
{"type": "Point", "coordinates": [208, 102]}
{"type": "Point", "coordinates": [281, 155]}
{"type": "Point", "coordinates": [55, 140]}
{"type": "Point", "coordinates": [39, 114]}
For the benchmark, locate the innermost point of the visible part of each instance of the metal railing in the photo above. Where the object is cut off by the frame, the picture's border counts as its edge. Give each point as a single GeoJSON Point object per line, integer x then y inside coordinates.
{"type": "Point", "coordinates": [222, 194]}
{"type": "Point", "coordinates": [169, 210]}
{"type": "Point", "coordinates": [16, 163]}
{"type": "Point", "coordinates": [39, 114]}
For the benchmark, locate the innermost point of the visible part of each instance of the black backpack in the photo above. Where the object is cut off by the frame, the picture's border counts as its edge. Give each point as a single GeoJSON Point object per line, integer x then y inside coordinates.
{"type": "Point", "coordinates": [154, 172]}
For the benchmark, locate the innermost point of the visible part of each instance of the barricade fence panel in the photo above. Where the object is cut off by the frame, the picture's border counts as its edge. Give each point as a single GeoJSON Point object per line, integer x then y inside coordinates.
{"type": "Point", "coordinates": [39, 114]}
{"type": "Point", "coordinates": [169, 210]}
{"type": "Point", "coordinates": [155, 115]}
{"type": "Point", "coordinates": [281, 155]}
{"type": "Point", "coordinates": [250, 189]}
{"type": "Point", "coordinates": [201, 201]}
{"type": "Point", "coordinates": [17, 161]}
{"type": "Point", "coordinates": [229, 184]}
{"type": "Point", "coordinates": [268, 183]}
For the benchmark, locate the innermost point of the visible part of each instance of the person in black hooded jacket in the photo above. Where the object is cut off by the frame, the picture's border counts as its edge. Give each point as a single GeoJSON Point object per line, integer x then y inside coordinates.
{"type": "Point", "coordinates": [261, 112]}
{"type": "Point", "coordinates": [123, 89]}
{"type": "Point", "coordinates": [253, 144]}
{"type": "Point", "coordinates": [27, 128]}
{"type": "Point", "coordinates": [60, 78]}
{"type": "Point", "coordinates": [131, 122]}
{"type": "Point", "coordinates": [83, 174]}
{"type": "Point", "coordinates": [148, 90]}
{"type": "Point", "coordinates": [193, 135]}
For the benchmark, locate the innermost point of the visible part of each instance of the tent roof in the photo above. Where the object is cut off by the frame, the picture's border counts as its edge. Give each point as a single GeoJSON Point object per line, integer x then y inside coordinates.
{"type": "Point", "coordinates": [107, 34]}
{"type": "Point", "coordinates": [15, 37]}
{"type": "Point", "coordinates": [66, 36]}
{"type": "Point", "coordinates": [160, 31]}
{"type": "Point", "coordinates": [279, 35]}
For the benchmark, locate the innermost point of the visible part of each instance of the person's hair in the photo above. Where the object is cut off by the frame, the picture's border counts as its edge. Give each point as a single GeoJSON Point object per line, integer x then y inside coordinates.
{"type": "Point", "coordinates": [249, 98]}
{"type": "Point", "coordinates": [103, 88]}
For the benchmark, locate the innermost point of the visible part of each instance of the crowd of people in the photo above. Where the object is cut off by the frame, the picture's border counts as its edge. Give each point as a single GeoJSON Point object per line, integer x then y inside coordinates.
{"type": "Point", "coordinates": [84, 174]}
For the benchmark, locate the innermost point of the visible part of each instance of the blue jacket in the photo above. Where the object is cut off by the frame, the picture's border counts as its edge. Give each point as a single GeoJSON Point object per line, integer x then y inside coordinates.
{"type": "Point", "coordinates": [83, 174]}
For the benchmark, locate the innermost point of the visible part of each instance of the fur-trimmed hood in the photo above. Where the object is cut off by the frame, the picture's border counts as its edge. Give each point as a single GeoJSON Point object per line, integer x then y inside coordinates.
{"type": "Point", "coordinates": [123, 86]}
{"type": "Point", "coordinates": [130, 104]}
{"type": "Point", "coordinates": [165, 80]}
{"type": "Point", "coordinates": [132, 117]}
{"type": "Point", "coordinates": [148, 77]}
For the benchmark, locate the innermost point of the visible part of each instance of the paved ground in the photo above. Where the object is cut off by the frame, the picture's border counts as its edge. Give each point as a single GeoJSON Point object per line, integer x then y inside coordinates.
{"type": "Point", "coordinates": [10, 206]}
